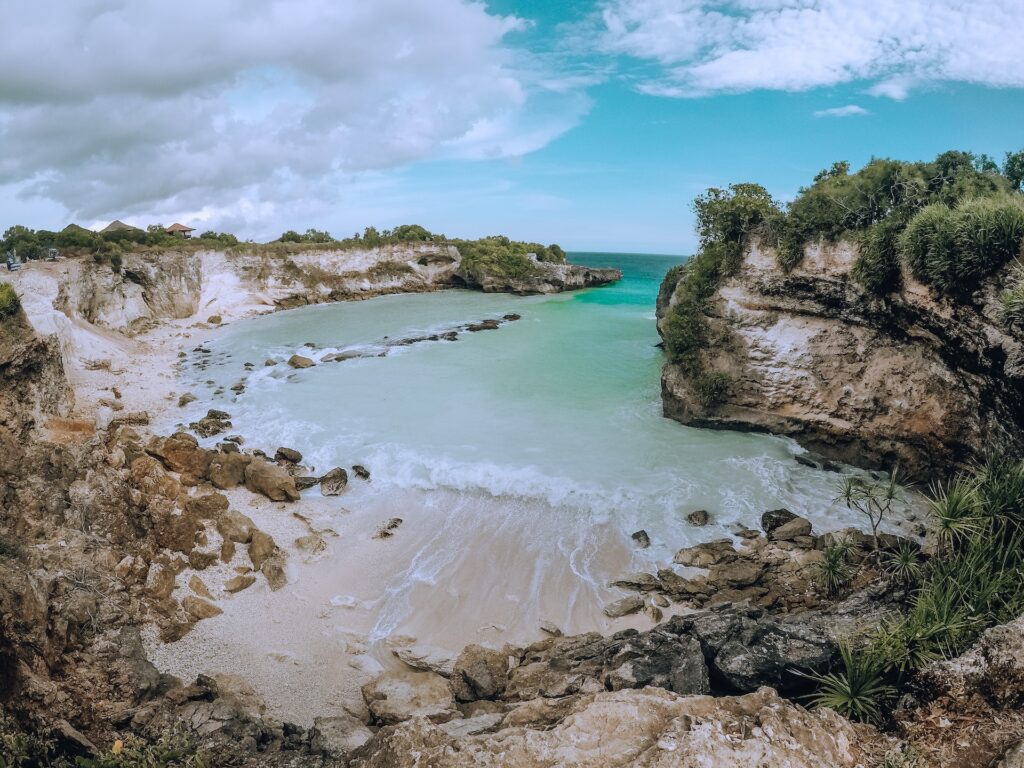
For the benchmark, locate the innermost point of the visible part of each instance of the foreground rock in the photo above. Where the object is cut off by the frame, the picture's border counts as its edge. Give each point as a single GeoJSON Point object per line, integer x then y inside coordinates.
{"type": "Point", "coordinates": [912, 379]}
{"type": "Point", "coordinates": [651, 727]}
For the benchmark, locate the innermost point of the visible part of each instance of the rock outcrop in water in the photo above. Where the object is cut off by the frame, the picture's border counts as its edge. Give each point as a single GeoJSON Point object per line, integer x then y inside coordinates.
{"type": "Point", "coordinates": [915, 379]}
{"type": "Point", "coordinates": [547, 278]}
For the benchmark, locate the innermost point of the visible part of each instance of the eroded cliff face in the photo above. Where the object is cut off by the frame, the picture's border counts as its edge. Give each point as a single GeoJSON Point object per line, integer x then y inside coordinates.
{"type": "Point", "coordinates": [911, 379]}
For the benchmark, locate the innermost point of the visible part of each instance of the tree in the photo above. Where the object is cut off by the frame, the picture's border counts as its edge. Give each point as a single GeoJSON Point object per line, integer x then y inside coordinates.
{"type": "Point", "coordinates": [1013, 168]}
{"type": "Point", "coordinates": [873, 499]}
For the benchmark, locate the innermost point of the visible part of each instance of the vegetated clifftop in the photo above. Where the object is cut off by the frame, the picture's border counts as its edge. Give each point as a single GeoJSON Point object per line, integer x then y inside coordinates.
{"type": "Point", "coordinates": [914, 378]}
{"type": "Point", "coordinates": [153, 286]}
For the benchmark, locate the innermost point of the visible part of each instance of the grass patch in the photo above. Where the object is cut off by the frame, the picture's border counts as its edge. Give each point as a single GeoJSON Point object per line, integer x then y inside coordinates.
{"type": "Point", "coordinates": [953, 249]}
{"type": "Point", "coordinates": [9, 301]}
{"type": "Point", "coordinates": [712, 388]}
{"type": "Point", "coordinates": [1011, 301]}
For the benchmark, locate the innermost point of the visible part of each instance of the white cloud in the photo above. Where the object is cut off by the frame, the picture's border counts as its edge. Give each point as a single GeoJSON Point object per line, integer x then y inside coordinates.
{"type": "Point", "coordinates": [204, 107]}
{"type": "Point", "coordinates": [850, 110]}
{"type": "Point", "coordinates": [741, 45]}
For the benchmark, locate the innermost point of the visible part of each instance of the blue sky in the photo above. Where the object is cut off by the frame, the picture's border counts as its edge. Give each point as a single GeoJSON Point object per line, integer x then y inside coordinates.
{"type": "Point", "coordinates": [591, 123]}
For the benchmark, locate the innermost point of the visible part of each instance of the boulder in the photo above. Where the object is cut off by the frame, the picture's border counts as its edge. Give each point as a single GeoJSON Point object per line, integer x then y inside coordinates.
{"type": "Point", "coordinates": [213, 423]}
{"type": "Point", "coordinates": [396, 697]}
{"type": "Point", "coordinates": [272, 481]}
{"type": "Point", "coordinates": [992, 668]}
{"type": "Point", "coordinates": [200, 609]}
{"type": "Point", "coordinates": [236, 527]}
{"type": "Point", "coordinates": [736, 573]}
{"type": "Point", "coordinates": [773, 518]}
{"type": "Point", "coordinates": [640, 582]}
{"type": "Point", "coordinates": [273, 571]}
{"type": "Point", "coordinates": [338, 736]}
{"type": "Point", "coordinates": [426, 658]}
{"type": "Point", "coordinates": [387, 528]}
{"type": "Point", "coordinates": [289, 455]}
{"type": "Point", "coordinates": [1014, 757]}
{"type": "Point", "coordinates": [185, 399]}
{"type": "Point", "coordinates": [208, 506]}
{"type": "Point", "coordinates": [624, 606]}
{"type": "Point", "coordinates": [791, 530]}
{"type": "Point", "coordinates": [707, 554]}
{"type": "Point", "coordinates": [180, 453]}
{"type": "Point", "coordinates": [199, 587]}
{"type": "Point", "coordinates": [479, 673]}
{"type": "Point", "coordinates": [239, 582]}
{"type": "Point", "coordinates": [334, 482]}
{"type": "Point", "coordinates": [227, 469]}
{"type": "Point", "coordinates": [261, 547]}
{"type": "Point", "coordinates": [160, 582]}
{"type": "Point", "coordinates": [298, 361]}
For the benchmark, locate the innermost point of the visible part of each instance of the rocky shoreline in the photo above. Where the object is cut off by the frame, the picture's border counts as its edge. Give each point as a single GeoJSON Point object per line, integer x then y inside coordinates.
{"type": "Point", "coordinates": [107, 528]}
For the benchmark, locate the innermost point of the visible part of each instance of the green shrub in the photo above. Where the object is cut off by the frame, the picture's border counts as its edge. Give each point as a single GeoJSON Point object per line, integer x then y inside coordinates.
{"type": "Point", "coordinates": [9, 301]}
{"type": "Point", "coordinates": [877, 266]}
{"type": "Point", "coordinates": [838, 203]}
{"type": "Point", "coordinates": [171, 750]}
{"type": "Point", "coordinates": [1011, 301]}
{"type": "Point", "coordinates": [903, 565]}
{"type": "Point", "coordinates": [499, 256]}
{"type": "Point", "coordinates": [834, 571]}
{"type": "Point", "coordinates": [859, 691]}
{"type": "Point", "coordinates": [712, 388]}
{"type": "Point", "coordinates": [726, 220]}
{"type": "Point", "coordinates": [954, 248]}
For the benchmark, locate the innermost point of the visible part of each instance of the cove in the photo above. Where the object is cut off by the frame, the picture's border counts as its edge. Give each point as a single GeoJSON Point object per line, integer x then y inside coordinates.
{"type": "Point", "coordinates": [519, 459]}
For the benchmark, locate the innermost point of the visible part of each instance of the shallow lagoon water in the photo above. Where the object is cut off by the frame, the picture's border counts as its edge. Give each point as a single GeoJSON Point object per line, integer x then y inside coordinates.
{"type": "Point", "coordinates": [520, 459]}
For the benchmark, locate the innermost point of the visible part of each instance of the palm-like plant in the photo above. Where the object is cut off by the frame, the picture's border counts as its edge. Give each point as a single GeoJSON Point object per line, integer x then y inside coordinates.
{"type": "Point", "coordinates": [874, 499]}
{"type": "Point", "coordinates": [858, 692]}
{"type": "Point", "coordinates": [903, 566]}
{"type": "Point", "coordinates": [955, 511]}
{"type": "Point", "coordinates": [834, 570]}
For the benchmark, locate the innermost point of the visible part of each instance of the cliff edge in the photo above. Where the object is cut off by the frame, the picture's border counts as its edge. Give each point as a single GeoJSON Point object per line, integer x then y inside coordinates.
{"type": "Point", "coordinates": [912, 378]}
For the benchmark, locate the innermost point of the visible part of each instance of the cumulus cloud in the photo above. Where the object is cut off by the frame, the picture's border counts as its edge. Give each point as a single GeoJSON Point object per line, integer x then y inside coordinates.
{"type": "Point", "coordinates": [850, 110]}
{"type": "Point", "coordinates": [741, 45]}
{"type": "Point", "coordinates": [201, 107]}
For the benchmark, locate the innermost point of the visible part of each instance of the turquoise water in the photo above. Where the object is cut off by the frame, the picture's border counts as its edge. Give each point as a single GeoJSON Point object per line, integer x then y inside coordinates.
{"type": "Point", "coordinates": [539, 445]}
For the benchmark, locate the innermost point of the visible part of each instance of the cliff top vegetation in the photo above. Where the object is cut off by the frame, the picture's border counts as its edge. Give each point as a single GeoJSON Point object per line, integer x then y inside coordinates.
{"type": "Point", "coordinates": [494, 255]}
{"type": "Point", "coordinates": [950, 222]}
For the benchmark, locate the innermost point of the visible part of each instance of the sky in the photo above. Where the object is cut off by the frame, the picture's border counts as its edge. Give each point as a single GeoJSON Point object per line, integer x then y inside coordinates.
{"type": "Point", "coordinates": [590, 123]}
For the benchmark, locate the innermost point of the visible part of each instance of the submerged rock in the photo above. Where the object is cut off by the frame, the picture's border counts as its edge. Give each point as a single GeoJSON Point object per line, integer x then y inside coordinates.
{"type": "Point", "coordinates": [698, 518]}
{"type": "Point", "coordinates": [641, 539]}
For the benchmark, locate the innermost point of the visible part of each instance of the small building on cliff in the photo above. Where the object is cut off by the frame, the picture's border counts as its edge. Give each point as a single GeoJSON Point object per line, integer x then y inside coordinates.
{"type": "Point", "coordinates": [180, 229]}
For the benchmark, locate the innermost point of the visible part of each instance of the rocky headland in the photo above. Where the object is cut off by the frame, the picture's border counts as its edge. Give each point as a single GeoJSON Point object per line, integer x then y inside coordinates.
{"type": "Point", "coordinates": [912, 378]}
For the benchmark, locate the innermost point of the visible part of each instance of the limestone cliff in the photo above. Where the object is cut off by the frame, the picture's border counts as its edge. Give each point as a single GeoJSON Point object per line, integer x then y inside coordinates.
{"type": "Point", "coordinates": [154, 286]}
{"type": "Point", "coordinates": [923, 381]}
